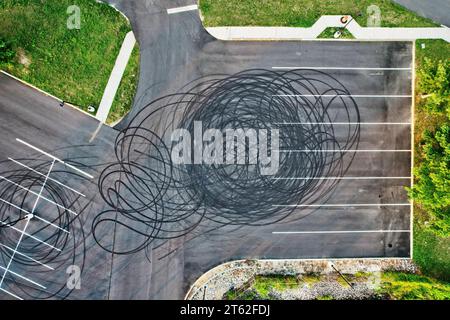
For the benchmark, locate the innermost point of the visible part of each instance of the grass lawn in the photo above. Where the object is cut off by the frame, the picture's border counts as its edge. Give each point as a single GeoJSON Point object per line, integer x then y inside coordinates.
{"type": "Point", "coordinates": [263, 284]}
{"type": "Point", "coordinates": [73, 65]}
{"type": "Point", "coordinates": [261, 287]}
{"type": "Point", "coordinates": [294, 13]}
{"type": "Point", "coordinates": [431, 252]}
{"type": "Point", "coordinates": [404, 286]}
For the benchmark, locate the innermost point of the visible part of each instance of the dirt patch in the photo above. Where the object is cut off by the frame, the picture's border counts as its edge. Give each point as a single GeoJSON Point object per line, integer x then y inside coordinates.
{"type": "Point", "coordinates": [23, 58]}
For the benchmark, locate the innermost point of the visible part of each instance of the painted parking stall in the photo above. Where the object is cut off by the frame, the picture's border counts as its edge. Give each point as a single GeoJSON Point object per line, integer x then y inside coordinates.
{"type": "Point", "coordinates": [36, 224]}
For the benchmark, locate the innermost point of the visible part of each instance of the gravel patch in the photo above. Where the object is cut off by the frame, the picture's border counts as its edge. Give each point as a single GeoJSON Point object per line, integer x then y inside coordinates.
{"type": "Point", "coordinates": [363, 274]}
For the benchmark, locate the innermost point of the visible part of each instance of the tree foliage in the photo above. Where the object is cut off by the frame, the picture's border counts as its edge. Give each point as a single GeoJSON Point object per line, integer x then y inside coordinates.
{"type": "Point", "coordinates": [6, 51]}
{"type": "Point", "coordinates": [432, 173]}
{"type": "Point", "coordinates": [434, 86]}
{"type": "Point", "coordinates": [432, 185]}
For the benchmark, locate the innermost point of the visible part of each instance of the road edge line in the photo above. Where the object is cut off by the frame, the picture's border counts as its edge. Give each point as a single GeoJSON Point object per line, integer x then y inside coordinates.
{"type": "Point", "coordinates": [77, 108]}
{"type": "Point", "coordinates": [413, 128]}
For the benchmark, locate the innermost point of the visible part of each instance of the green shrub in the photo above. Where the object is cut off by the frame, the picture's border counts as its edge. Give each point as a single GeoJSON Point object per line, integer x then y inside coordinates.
{"type": "Point", "coordinates": [431, 252]}
{"type": "Point", "coordinates": [6, 51]}
{"type": "Point", "coordinates": [434, 86]}
{"type": "Point", "coordinates": [432, 186]}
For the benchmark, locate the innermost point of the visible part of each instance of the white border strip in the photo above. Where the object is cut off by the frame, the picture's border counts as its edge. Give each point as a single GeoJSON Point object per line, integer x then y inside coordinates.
{"type": "Point", "coordinates": [343, 95]}
{"type": "Point", "coordinates": [31, 236]}
{"type": "Point", "coordinates": [343, 68]}
{"type": "Point", "coordinates": [413, 105]}
{"type": "Point", "coordinates": [22, 277]}
{"type": "Point", "coordinates": [334, 259]}
{"type": "Point", "coordinates": [349, 150]}
{"type": "Point", "coordinates": [343, 205]}
{"type": "Point", "coordinates": [34, 215]}
{"type": "Point", "coordinates": [42, 187]}
{"type": "Point", "coordinates": [52, 224]}
{"type": "Point", "coordinates": [55, 158]}
{"type": "Point", "coordinates": [22, 233]}
{"type": "Point", "coordinates": [341, 178]}
{"type": "Point", "coordinates": [11, 294]}
{"type": "Point", "coordinates": [36, 194]}
{"type": "Point", "coordinates": [116, 77]}
{"type": "Point", "coordinates": [345, 123]}
{"type": "Point", "coordinates": [40, 173]}
{"type": "Point", "coordinates": [182, 9]}
{"type": "Point", "coordinates": [26, 256]}
{"type": "Point", "coordinates": [325, 21]}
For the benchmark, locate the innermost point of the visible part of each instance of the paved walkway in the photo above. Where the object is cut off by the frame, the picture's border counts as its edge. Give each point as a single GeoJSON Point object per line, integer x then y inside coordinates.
{"type": "Point", "coordinates": [116, 77]}
{"type": "Point", "coordinates": [362, 33]}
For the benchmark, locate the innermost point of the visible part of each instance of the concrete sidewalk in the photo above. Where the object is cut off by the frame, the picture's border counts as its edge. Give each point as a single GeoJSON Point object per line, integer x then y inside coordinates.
{"type": "Point", "coordinates": [361, 33]}
{"type": "Point", "coordinates": [116, 77]}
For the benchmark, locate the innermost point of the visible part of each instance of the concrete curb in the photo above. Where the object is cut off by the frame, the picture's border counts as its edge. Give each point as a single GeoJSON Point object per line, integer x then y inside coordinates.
{"type": "Point", "coordinates": [116, 77]}
{"type": "Point", "coordinates": [112, 5]}
{"type": "Point", "coordinates": [48, 94]}
{"type": "Point", "coordinates": [213, 284]}
{"type": "Point", "coordinates": [324, 22]}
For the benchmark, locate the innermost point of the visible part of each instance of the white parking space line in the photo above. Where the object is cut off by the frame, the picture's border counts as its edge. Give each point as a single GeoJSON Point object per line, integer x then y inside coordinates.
{"type": "Point", "coordinates": [182, 9]}
{"type": "Point", "coordinates": [39, 150]}
{"type": "Point", "coordinates": [339, 231]}
{"type": "Point", "coordinates": [11, 294]}
{"type": "Point", "coordinates": [412, 109]}
{"type": "Point", "coordinates": [26, 256]}
{"type": "Point", "coordinates": [344, 123]}
{"type": "Point", "coordinates": [22, 233]}
{"type": "Point", "coordinates": [13, 205]}
{"type": "Point", "coordinates": [343, 205]}
{"type": "Point", "coordinates": [78, 170]}
{"type": "Point", "coordinates": [50, 223]}
{"type": "Point", "coordinates": [30, 215]}
{"type": "Point", "coordinates": [22, 277]}
{"type": "Point", "coordinates": [54, 158]}
{"type": "Point", "coordinates": [384, 96]}
{"type": "Point", "coordinates": [35, 193]}
{"type": "Point", "coordinates": [54, 180]}
{"type": "Point", "coordinates": [43, 186]}
{"type": "Point", "coordinates": [30, 236]}
{"type": "Point", "coordinates": [344, 68]}
{"type": "Point", "coordinates": [35, 216]}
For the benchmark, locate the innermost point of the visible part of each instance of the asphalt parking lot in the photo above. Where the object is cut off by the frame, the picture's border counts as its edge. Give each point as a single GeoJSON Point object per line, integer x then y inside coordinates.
{"type": "Point", "coordinates": [365, 214]}
{"type": "Point", "coordinates": [368, 213]}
